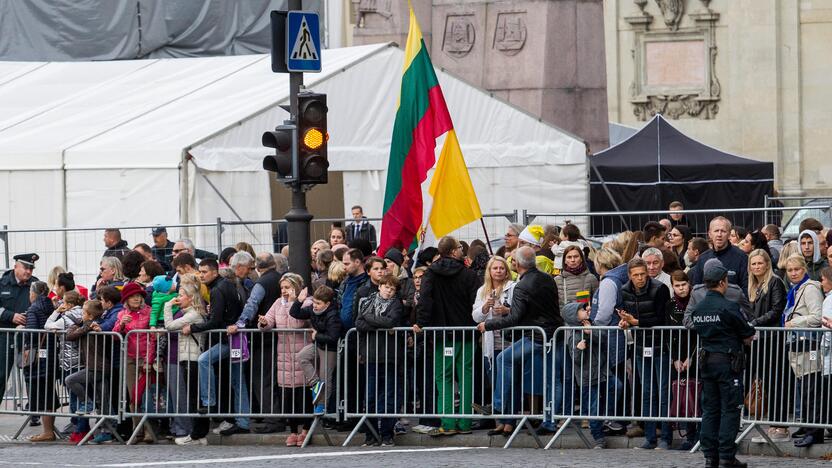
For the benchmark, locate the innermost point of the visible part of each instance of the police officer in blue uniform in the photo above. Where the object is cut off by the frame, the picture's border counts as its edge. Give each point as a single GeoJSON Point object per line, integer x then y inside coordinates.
{"type": "Point", "coordinates": [722, 332]}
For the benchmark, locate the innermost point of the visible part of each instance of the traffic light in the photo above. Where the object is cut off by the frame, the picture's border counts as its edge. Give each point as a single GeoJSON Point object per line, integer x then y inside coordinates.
{"type": "Point", "coordinates": [312, 138]}
{"type": "Point", "coordinates": [283, 140]}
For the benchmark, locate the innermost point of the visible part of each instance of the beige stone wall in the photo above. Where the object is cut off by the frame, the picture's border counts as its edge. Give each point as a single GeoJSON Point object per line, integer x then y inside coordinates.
{"type": "Point", "coordinates": [774, 66]}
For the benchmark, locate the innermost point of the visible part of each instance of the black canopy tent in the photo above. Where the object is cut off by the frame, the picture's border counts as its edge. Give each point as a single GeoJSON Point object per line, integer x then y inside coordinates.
{"type": "Point", "coordinates": [658, 165]}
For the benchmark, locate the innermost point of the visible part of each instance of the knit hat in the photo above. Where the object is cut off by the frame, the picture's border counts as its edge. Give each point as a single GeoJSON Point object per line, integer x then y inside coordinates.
{"type": "Point", "coordinates": [162, 284]}
{"type": "Point", "coordinates": [131, 289]}
{"type": "Point", "coordinates": [395, 255]}
{"type": "Point", "coordinates": [533, 234]}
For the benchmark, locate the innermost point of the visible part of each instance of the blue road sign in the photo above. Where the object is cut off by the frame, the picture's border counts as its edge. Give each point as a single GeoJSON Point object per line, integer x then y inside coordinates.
{"type": "Point", "coordinates": [303, 42]}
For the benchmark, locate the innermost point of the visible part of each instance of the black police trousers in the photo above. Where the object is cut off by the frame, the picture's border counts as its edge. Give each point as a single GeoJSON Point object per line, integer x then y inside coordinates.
{"type": "Point", "coordinates": [722, 399]}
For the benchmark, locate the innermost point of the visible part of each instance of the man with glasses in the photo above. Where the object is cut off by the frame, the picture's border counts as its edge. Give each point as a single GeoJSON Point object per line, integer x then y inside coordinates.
{"type": "Point", "coordinates": [187, 246]}
{"type": "Point", "coordinates": [14, 301]}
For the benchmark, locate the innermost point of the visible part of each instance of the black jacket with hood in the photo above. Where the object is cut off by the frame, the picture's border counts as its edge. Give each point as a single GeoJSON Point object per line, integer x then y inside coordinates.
{"type": "Point", "coordinates": [447, 295]}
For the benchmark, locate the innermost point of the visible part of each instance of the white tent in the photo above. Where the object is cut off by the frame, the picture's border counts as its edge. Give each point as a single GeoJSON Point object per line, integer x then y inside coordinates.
{"type": "Point", "coordinates": [107, 143]}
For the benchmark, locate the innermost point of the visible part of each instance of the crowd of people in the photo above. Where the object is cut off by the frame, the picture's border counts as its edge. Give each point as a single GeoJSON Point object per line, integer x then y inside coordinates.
{"type": "Point", "coordinates": [542, 278]}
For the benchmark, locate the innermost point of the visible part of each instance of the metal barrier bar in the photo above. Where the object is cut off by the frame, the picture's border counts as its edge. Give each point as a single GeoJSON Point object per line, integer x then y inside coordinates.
{"type": "Point", "coordinates": [441, 373]}
{"type": "Point", "coordinates": [789, 381]}
{"type": "Point", "coordinates": [67, 372]}
{"type": "Point", "coordinates": [267, 373]}
{"type": "Point", "coordinates": [609, 374]}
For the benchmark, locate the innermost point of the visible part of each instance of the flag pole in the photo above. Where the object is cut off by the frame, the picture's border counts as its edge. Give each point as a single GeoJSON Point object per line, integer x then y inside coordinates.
{"type": "Point", "coordinates": [487, 240]}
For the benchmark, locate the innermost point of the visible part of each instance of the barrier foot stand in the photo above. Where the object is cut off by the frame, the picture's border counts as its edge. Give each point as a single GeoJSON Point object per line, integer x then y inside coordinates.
{"type": "Point", "coordinates": [136, 431]}
{"type": "Point", "coordinates": [22, 426]}
{"type": "Point", "coordinates": [90, 433]}
{"type": "Point", "coordinates": [558, 433]}
{"type": "Point", "coordinates": [316, 423]}
{"type": "Point", "coordinates": [361, 422]}
{"type": "Point", "coordinates": [763, 433]}
{"type": "Point", "coordinates": [113, 430]}
{"type": "Point", "coordinates": [581, 434]}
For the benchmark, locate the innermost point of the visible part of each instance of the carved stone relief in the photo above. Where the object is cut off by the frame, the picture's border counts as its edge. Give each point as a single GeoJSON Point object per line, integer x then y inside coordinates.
{"type": "Point", "coordinates": [382, 8]}
{"type": "Point", "coordinates": [672, 12]}
{"type": "Point", "coordinates": [685, 98]}
{"type": "Point", "coordinates": [510, 33]}
{"type": "Point", "coordinates": [460, 35]}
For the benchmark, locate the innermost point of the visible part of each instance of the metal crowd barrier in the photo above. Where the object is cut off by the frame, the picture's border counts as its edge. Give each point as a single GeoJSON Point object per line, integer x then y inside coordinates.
{"type": "Point", "coordinates": [251, 374]}
{"type": "Point", "coordinates": [610, 374]}
{"type": "Point", "coordinates": [788, 380]}
{"type": "Point", "coordinates": [64, 374]}
{"type": "Point", "coordinates": [442, 373]}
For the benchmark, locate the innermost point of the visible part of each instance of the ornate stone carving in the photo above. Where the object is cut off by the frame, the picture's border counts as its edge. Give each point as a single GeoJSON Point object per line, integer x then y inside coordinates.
{"type": "Point", "coordinates": [510, 33]}
{"type": "Point", "coordinates": [460, 35]}
{"type": "Point", "coordinates": [383, 8]}
{"type": "Point", "coordinates": [682, 99]}
{"type": "Point", "coordinates": [672, 12]}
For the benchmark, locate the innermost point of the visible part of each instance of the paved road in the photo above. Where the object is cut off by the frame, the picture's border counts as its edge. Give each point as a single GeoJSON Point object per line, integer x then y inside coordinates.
{"type": "Point", "coordinates": [255, 457]}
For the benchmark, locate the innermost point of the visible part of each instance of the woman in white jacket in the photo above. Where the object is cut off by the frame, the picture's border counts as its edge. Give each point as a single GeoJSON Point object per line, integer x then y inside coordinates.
{"type": "Point", "coordinates": [493, 299]}
{"type": "Point", "coordinates": [191, 311]}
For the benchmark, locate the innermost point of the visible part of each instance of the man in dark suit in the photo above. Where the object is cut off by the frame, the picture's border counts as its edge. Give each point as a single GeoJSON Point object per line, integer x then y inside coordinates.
{"type": "Point", "coordinates": [361, 228]}
{"type": "Point", "coordinates": [534, 304]}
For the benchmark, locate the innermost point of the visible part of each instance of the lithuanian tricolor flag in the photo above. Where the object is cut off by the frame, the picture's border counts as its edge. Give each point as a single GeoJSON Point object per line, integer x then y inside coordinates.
{"type": "Point", "coordinates": [421, 118]}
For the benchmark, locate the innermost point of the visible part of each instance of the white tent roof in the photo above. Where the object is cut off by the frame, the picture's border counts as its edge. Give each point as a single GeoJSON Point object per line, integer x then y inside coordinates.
{"type": "Point", "coordinates": [147, 114]}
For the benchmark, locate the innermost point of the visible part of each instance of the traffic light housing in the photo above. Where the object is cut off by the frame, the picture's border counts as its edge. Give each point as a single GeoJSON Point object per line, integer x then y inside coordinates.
{"type": "Point", "coordinates": [312, 138]}
{"type": "Point", "coordinates": [284, 141]}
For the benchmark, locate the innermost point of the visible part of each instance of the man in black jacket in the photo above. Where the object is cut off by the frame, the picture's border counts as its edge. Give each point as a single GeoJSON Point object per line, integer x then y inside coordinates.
{"type": "Point", "coordinates": [644, 302]}
{"type": "Point", "coordinates": [14, 302]}
{"type": "Point", "coordinates": [116, 246]}
{"type": "Point", "coordinates": [734, 259]}
{"type": "Point", "coordinates": [446, 299]}
{"type": "Point", "coordinates": [534, 304]}
{"type": "Point", "coordinates": [225, 307]}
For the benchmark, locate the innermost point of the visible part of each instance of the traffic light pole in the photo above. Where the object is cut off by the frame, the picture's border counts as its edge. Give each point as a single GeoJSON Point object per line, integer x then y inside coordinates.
{"type": "Point", "coordinates": [298, 217]}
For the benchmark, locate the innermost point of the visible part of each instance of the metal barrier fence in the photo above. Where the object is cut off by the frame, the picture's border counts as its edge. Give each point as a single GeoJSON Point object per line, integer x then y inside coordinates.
{"type": "Point", "coordinates": [610, 223]}
{"type": "Point", "coordinates": [80, 249]}
{"type": "Point", "coordinates": [640, 374]}
{"type": "Point", "coordinates": [441, 373]}
{"type": "Point", "coordinates": [789, 381]}
{"type": "Point", "coordinates": [65, 371]}
{"type": "Point", "coordinates": [267, 373]}
{"type": "Point", "coordinates": [598, 374]}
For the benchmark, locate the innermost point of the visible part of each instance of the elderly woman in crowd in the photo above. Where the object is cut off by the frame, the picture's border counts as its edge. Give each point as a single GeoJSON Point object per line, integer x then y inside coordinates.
{"type": "Point", "coordinates": [512, 239]}
{"type": "Point", "coordinates": [804, 309]}
{"type": "Point", "coordinates": [110, 274]}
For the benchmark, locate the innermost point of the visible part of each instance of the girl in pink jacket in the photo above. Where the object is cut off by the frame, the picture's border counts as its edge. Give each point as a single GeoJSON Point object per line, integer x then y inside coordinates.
{"type": "Point", "coordinates": [293, 392]}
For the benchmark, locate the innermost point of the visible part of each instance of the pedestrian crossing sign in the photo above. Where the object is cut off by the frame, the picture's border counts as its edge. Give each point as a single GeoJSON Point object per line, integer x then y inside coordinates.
{"type": "Point", "coordinates": [303, 42]}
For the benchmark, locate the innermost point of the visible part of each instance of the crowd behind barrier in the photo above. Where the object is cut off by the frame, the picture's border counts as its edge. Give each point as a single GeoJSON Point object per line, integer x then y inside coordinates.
{"type": "Point", "coordinates": [547, 335]}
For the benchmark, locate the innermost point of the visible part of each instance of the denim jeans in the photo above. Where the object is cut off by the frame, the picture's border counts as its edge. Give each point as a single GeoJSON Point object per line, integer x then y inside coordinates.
{"type": "Point", "coordinates": [208, 381]}
{"type": "Point", "coordinates": [510, 366]}
{"type": "Point", "coordinates": [654, 376]}
{"type": "Point", "coordinates": [381, 396]}
{"type": "Point", "coordinates": [560, 377]}
{"type": "Point", "coordinates": [597, 400]}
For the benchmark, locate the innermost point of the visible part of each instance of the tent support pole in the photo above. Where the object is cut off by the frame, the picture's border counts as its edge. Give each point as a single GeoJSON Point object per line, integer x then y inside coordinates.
{"type": "Point", "coordinates": [487, 240]}
{"type": "Point", "coordinates": [222, 197]}
{"type": "Point", "coordinates": [609, 195]}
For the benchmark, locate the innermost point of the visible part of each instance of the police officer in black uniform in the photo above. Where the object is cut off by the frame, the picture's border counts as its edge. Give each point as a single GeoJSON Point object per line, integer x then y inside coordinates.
{"type": "Point", "coordinates": [14, 301]}
{"type": "Point", "coordinates": [722, 331]}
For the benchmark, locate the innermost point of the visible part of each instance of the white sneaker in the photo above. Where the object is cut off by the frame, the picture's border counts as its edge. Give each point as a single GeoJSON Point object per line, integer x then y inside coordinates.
{"type": "Point", "coordinates": [188, 441]}
{"type": "Point", "coordinates": [225, 425]}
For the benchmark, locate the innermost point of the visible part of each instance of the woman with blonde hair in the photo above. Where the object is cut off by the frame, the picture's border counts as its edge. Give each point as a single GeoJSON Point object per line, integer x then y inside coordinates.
{"type": "Point", "coordinates": [804, 309]}
{"type": "Point", "coordinates": [183, 375]}
{"type": "Point", "coordinates": [767, 295]}
{"type": "Point", "coordinates": [789, 249]}
{"type": "Point", "coordinates": [493, 299]}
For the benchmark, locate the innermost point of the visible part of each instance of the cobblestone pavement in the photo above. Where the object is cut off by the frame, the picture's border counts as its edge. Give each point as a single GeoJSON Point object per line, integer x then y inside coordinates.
{"type": "Point", "coordinates": [320, 457]}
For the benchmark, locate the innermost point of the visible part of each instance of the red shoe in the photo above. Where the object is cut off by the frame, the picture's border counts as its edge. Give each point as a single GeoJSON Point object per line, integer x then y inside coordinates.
{"type": "Point", "coordinates": [76, 437]}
